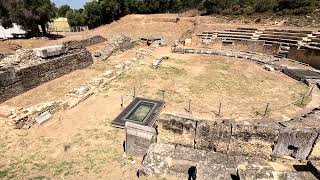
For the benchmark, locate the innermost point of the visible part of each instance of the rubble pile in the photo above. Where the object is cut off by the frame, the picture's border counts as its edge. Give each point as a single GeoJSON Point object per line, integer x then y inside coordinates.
{"type": "Point", "coordinates": [114, 45]}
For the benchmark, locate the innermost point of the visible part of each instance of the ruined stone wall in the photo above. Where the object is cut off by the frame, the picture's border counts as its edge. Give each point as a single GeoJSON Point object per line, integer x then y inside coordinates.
{"type": "Point", "coordinates": [84, 43]}
{"type": "Point", "coordinates": [306, 55]}
{"type": "Point", "coordinates": [242, 45]}
{"type": "Point", "coordinates": [14, 81]}
{"type": "Point", "coordinates": [237, 138]}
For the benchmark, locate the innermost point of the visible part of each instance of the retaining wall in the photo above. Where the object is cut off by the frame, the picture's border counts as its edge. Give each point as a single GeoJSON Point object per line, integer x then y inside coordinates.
{"type": "Point", "coordinates": [306, 55]}
{"type": "Point", "coordinates": [84, 43]}
{"type": "Point", "coordinates": [14, 81]}
{"type": "Point", "coordinates": [245, 45]}
{"type": "Point", "coordinates": [237, 138]}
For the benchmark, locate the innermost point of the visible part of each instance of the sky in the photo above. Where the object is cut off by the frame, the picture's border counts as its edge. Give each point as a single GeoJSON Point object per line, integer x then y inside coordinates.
{"type": "Point", "coordinates": [75, 4]}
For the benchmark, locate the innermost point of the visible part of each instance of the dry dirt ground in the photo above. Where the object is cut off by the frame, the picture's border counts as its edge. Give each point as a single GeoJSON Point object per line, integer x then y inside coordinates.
{"type": "Point", "coordinates": [81, 144]}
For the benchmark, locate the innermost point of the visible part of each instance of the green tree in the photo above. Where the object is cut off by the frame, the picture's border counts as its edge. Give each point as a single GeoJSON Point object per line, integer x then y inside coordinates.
{"type": "Point", "coordinates": [27, 13]}
{"type": "Point", "coordinates": [62, 10]}
{"type": "Point", "coordinates": [93, 14]}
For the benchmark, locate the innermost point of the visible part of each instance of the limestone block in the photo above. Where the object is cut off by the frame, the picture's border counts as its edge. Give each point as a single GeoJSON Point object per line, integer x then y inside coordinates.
{"type": "Point", "coordinates": [296, 143]}
{"type": "Point", "coordinates": [7, 77]}
{"type": "Point", "coordinates": [120, 66]}
{"type": "Point", "coordinates": [44, 117]}
{"type": "Point", "coordinates": [213, 135]}
{"type": "Point", "coordinates": [206, 170]}
{"type": "Point", "coordinates": [107, 74]}
{"type": "Point", "coordinates": [127, 63]}
{"type": "Point", "coordinates": [138, 138]}
{"type": "Point", "coordinates": [50, 51]}
{"type": "Point", "coordinates": [174, 129]}
{"type": "Point", "coordinates": [298, 175]}
{"type": "Point", "coordinates": [82, 90]}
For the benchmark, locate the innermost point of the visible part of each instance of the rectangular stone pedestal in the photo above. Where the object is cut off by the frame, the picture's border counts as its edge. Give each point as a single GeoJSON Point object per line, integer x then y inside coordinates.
{"type": "Point", "coordinates": [138, 138]}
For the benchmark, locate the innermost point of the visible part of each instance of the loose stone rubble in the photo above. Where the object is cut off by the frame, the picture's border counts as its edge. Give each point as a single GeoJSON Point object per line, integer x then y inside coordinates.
{"type": "Point", "coordinates": [114, 45]}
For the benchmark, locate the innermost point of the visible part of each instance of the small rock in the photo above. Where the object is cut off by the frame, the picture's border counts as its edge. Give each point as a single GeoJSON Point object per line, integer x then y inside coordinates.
{"type": "Point", "coordinates": [119, 66]}
{"type": "Point", "coordinates": [268, 68]}
{"type": "Point", "coordinates": [107, 74]}
{"type": "Point", "coordinates": [127, 62]}
{"type": "Point", "coordinates": [96, 82]}
{"type": "Point", "coordinates": [97, 54]}
{"type": "Point", "coordinates": [44, 117]}
{"type": "Point", "coordinates": [82, 90]}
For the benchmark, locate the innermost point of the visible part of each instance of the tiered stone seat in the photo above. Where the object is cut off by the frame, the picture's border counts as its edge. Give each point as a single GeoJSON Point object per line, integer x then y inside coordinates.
{"type": "Point", "coordinates": [236, 34]}
{"type": "Point", "coordinates": [284, 36]}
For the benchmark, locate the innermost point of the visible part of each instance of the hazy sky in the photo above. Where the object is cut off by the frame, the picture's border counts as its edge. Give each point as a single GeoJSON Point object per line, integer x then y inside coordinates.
{"type": "Point", "coordinates": [73, 3]}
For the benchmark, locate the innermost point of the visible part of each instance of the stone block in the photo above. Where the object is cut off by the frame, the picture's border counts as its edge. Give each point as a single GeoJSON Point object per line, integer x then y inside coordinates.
{"type": "Point", "coordinates": [138, 138]}
{"type": "Point", "coordinates": [253, 140]}
{"type": "Point", "coordinates": [44, 117]}
{"type": "Point", "coordinates": [82, 90]}
{"type": "Point", "coordinates": [268, 68]}
{"type": "Point", "coordinates": [213, 135]}
{"type": "Point", "coordinates": [49, 51]}
{"type": "Point", "coordinates": [7, 77]}
{"type": "Point", "coordinates": [174, 129]}
{"type": "Point", "coordinates": [296, 143]}
{"type": "Point", "coordinates": [206, 170]}
{"type": "Point", "coordinates": [299, 175]}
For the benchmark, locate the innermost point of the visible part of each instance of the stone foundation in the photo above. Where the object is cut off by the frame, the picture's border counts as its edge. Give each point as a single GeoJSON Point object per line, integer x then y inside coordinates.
{"type": "Point", "coordinates": [16, 79]}
{"type": "Point", "coordinates": [237, 138]}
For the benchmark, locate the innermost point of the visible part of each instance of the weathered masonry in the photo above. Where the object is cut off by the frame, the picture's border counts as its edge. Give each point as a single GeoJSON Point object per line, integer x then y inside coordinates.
{"type": "Point", "coordinates": [24, 70]}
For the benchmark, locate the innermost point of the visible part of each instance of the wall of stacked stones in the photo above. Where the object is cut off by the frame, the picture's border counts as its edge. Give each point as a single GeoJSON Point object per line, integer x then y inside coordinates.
{"type": "Point", "coordinates": [245, 45]}
{"type": "Point", "coordinates": [306, 55]}
{"type": "Point", "coordinates": [84, 43]}
{"type": "Point", "coordinates": [238, 138]}
{"type": "Point", "coordinates": [14, 82]}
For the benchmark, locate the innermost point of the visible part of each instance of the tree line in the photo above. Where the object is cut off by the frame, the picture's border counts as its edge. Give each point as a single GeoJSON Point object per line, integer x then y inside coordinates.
{"type": "Point", "coordinates": [100, 12]}
{"type": "Point", "coordinates": [31, 14]}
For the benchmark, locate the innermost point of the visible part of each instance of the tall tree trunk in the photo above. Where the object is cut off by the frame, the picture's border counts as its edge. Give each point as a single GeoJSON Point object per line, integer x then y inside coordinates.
{"type": "Point", "coordinates": [44, 30]}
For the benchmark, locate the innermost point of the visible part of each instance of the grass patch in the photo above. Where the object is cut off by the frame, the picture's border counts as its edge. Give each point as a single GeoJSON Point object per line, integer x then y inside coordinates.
{"type": "Point", "coordinates": [303, 100]}
{"type": "Point", "coordinates": [64, 168]}
{"type": "Point", "coordinates": [3, 173]}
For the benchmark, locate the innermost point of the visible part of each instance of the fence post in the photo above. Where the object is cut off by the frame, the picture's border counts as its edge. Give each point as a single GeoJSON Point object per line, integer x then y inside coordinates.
{"type": "Point", "coordinates": [219, 109]}
{"type": "Point", "coordinates": [189, 106]}
{"type": "Point", "coordinates": [121, 102]}
{"type": "Point", "coordinates": [266, 111]}
{"type": "Point", "coordinates": [134, 92]}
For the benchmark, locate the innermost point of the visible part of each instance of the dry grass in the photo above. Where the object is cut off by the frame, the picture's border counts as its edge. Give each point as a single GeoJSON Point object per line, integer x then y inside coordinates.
{"type": "Point", "coordinates": [242, 87]}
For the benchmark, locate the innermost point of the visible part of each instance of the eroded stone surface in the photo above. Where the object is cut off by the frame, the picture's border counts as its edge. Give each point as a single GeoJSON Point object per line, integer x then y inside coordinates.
{"type": "Point", "coordinates": [296, 143]}
{"type": "Point", "coordinates": [138, 138]}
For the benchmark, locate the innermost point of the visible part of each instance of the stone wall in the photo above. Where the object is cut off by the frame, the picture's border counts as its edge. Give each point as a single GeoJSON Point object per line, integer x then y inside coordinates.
{"type": "Point", "coordinates": [84, 43]}
{"type": "Point", "coordinates": [245, 45]}
{"type": "Point", "coordinates": [185, 163]}
{"type": "Point", "coordinates": [237, 138]}
{"type": "Point", "coordinates": [116, 44]}
{"type": "Point", "coordinates": [306, 55]}
{"type": "Point", "coordinates": [15, 80]}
